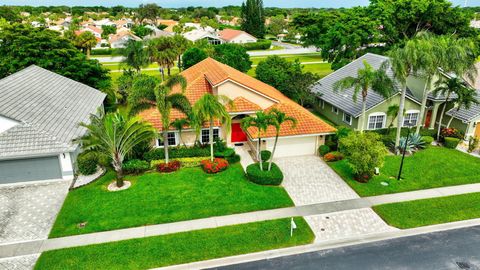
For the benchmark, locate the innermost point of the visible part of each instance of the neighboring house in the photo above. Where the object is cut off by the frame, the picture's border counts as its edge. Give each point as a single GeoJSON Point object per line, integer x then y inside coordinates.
{"type": "Point", "coordinates": [120, 39]}
{"type": "Point", "coordinates": [199, 34]}
{"type": "Point", "coordinates": [169, 23]}
{"type": "Point", "coordinates": [157, 33]}
{"type": "Point", "coordinates": [236, 36]}
{"type": "Point", "coordinates": [40, 112]}
{"type": "Point", "coordinates": [249, 95]}
{"type": "Point", "coordinates": [105, 22]}
{"type": "Point", "coordinates": [341, 110]}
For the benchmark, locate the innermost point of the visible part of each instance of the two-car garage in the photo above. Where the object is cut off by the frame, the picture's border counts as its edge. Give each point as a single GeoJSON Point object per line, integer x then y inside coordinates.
{"type": "Point", "coordinates": [295, 146]}
{"type": "Point", "coordinates": [31, 169]}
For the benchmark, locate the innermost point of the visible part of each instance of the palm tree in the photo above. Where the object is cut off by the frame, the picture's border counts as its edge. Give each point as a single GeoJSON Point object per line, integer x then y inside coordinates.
{"type": "Point", "coordinates": [135, 55]}
{"type": "Point", "coordinates": [162, 50]}
{"type": "Point", "coordinates": [114, 136]}
{"type": "Point", "coordinates": [181, 45]}
{"type": "Point", "coordinates": [367, 78]}
{"type": "Point", "coordinates": [392, 112]}
{"type": "Point", "coordinates": [277, 119]}
{"type": "Point", "coordinates": [210, 107]}
{"type": "Point", "coordinates": [86, 41]}
{"type": "Point", "coordinates": [261, 121]}
{"type": "Point", "coordinates": [464, 96]}
{"type": "Point", "coordinates": [178, 124]}
{"type": "Point", "coordinates": [143, 96]}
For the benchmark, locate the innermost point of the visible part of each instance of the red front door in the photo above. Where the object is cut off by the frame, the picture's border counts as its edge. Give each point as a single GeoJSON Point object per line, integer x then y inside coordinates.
{"type": "Point", "coordinates": [428, 119]}
{"type": "Point", "coordinates": [237, 133]}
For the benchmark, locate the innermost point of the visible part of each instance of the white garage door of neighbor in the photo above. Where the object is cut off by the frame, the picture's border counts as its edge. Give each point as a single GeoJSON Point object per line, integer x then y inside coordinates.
{"type": "Point", "coordinates": [299, 146]}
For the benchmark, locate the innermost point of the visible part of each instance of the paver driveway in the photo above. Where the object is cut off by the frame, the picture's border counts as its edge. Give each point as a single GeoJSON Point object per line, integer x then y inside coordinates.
{"type": "Point", "coordinates": [27, 212]}
{"type": "Point", "coordinates": [309, 180]}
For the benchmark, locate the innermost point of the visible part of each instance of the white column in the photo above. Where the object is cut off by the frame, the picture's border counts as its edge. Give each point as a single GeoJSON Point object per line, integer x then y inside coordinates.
{"type": "Point", "coordinates": [66, 166]}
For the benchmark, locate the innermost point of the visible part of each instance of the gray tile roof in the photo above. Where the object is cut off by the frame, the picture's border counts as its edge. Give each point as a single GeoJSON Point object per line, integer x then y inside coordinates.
{"type": "Point", "coordinates": [464, 114]}
{"type": "Point", "coordinates": [48, 107]}
{"type": "Point", "coordinates": [343, 99]}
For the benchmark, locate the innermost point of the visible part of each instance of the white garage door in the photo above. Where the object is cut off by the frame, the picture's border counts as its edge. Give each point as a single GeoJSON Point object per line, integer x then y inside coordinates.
{"type": "Point", "coordinates": [299, 146]}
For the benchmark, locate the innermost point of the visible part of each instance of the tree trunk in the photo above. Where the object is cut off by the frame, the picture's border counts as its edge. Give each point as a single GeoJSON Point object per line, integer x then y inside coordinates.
{"type": "Point", "coordinates": [119, 177]}
{"type": "Point", "coordinates": [451, 119]}
{"type": "Point", "coordinates": [259, 144]}
{"type": "Point", "coordinates": [441, 116]}
{"type": "Point", "coordinates": [364, 109]}
{"type": "Point", "coordinates": [426, 89]}
{"type": "Point", "coordinates": [117, 165]}
{"type": "Point", "coordinates": [88, 52]}
{"type": "Point", "coordinates": [162, 71]}
{"type": "Point", "coordinates": [180, 63]}
{"type": "Point", "coordinates": [168, 71]}
{"type": "Point", "coordinates": [165, 144]}
{"type": "Point", "coordinates": [400, 118]}
{"type": "Point", "coordinates": [273, 151]}
{"type": "Point", "coordinates": [210, 138]}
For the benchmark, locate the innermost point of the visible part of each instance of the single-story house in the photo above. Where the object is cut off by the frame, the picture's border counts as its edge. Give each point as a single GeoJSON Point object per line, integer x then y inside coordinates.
{"type": "Point", "coordinates": [236, 36]}
{"type": "Point", "coordinates": [120, 39]}
{"type": "Point", "coordinates": [248, 95]}
{"type": "Point", "coordinates": [40, 112]}
{"type": "Point", "coordinates": [198, 34]}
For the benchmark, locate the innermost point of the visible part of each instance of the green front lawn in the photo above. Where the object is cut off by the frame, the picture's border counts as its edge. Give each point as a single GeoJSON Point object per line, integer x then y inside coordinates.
{"type": "Point", "coordinates": [429, 168]}
{"type": "Point", "coordinates": [145, 253]}
{"type": "Point", "coordinates": [430, 211]}
{"type": "Point", "coordinates": [162, 198]}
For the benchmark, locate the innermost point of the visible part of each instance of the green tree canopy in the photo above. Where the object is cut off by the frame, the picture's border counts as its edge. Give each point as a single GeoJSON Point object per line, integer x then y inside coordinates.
{"type": "Point", "coordinates": [253, 18]}
{"type": "Point", "coordinates": [192, 56]}
{"type": "Point", "coordinates": [135, 55]}
{"type": "Point", "coordinates": [141, 30]}
{"type": "Point", "coordinates": [233, 55]}
{"type": "Point", "coordinates": [23, 45]}
{"type": "Point", "coordinates": [108, 30]}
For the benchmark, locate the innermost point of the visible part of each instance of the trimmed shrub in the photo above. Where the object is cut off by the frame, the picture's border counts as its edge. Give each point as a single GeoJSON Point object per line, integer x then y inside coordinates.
{"type": "Point", "coordinates": [184, 162]}
{"type": "Point", "coordinates": [428, 140]}
{"type": "Point", "coordinates": [177, 152]}
{"type": "Point", "coordinates": [273, 177]}
{"type": "Point", "coordinates": [215, 166]}
{"type": "Point", "coordinates": [332, 144]}
{"type": "Point", "coordinates": [233, 159]}
{"type": "Point", "coordinates": [135, 166]}
{"type": "Point", "coordinates": [323, 149]}
{"type": "Point", "coordinates": [333, 156]}
{"type": "Point", "coordinates": [228, 152]}
{"type": "Point", "coordinates": [168, 167]}
{"type": "Point", "coordinates": [87, 163]}
{"type": "Point", "coordinates": [219, 145]}
{"type": "Point", "coordinates": [261, 44]}
{"type": "Point", "coordinates": [451, 142]}
{"type": "Point", "coordinates": [106, 51]}
{"type": "Point", "coordinates": [265, 155]}
{"type": "Point", "coordinates": [472, 144]}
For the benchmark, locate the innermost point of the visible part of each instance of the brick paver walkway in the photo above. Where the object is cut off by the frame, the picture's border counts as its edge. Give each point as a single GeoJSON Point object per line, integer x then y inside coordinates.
{"type": "Point", "coordinates": [19, 263]}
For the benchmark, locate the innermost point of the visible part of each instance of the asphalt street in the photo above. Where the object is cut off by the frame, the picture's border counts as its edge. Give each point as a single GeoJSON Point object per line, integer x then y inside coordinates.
{"type": "Point", "coordinates": [457, 249]}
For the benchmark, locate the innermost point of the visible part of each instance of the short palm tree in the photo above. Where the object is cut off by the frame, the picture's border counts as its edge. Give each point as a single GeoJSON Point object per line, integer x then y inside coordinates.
{"type": "Point", "coordinates": [210, 107]}
{"type": "Point", "coordinates": [277, 119]}
{"type": "Point", "coordinates": [261, 121]}
{"type": "Point", "coordinates": [392, 112]}
{"type": "Point", "coordinates": [114, 135]}
{"type": "Point", "coordinates": [143, 96]}
{"type": "Point", "coordinates": [135, 55]}
{"type": "Point", "coordinates": [86, 41]}
{"type": "Point", "coordinates": [367, 78]}
{"type": "Point", "coordinates": [179, 124]}
{"type": "Point", "coordinates": [163, 51]}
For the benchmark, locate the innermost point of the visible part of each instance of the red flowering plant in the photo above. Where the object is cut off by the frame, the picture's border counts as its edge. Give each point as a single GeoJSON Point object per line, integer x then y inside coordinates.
{"type": "Point", "coordinates": [168, 167]}
{"type": "Point", "coordinates": [215, 166]}
{"type": "Point", "coordinates": [451, 132]}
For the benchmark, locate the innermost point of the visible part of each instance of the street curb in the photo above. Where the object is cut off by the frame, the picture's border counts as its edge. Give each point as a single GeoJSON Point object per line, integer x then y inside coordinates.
{"type": "Point", "coordinates": [351, 241]}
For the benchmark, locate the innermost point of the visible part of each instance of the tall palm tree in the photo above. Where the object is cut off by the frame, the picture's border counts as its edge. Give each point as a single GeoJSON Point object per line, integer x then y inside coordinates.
{"type": "Point", "coordinates": [367, 78]}
{"type": "Point", "coordinates": [135, 55]}
{"type": "Point", "coordinates": [86, 41]}
{"type": "Point", "coordinates": [277, 119]}
{"type": "Point", "coordinates": [404, 62]}
{"type": "Point", "coordinates": [261, 121]}
{"type": "Point", "coordinates": [181, 45]}
{"type": "Point", "coordinates": [179, 124]}
{"type": "Point", "coordinates": [143, 96]}
{"type": "Point", "coordinates": [114, 135]}
{"type": "Point", "coordinates": [210, 107]}
{"type": "Point", "coordinates": [162, 50]}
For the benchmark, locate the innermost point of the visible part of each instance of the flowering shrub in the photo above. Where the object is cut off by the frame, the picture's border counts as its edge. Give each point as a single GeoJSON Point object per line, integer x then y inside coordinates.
{"type": "Point", "coordinates": [451, 132]}
{"type": "Point", "coordinates": [333, 156]}
{"type": "Point", "coordinates": [168, 167]}
{"type": "Point", "coordinates": [215, 166]}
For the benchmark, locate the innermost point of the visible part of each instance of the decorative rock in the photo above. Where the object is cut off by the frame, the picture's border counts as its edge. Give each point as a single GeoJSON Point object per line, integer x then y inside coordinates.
{"type": "Point", "coordinates": [113, 186]}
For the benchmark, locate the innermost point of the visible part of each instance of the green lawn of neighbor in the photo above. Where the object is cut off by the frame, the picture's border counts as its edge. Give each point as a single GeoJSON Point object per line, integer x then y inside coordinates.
{"type": "Point", "coordinates": [146, 253]}
{"type": "Point", "coordinates": [429, 168]}
{"type": "Point", "coordinates": [418, 213]}
{"type": "Point", "coordinates": [322, 69]}
{"type": "Point", "coordinates": [303, 58]}
{"type": "Point", "coordinates": [157, 198]}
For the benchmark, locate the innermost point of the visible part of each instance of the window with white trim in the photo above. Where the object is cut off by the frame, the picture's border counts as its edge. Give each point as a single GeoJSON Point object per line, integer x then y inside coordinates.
{"type": "Point", "coordinates": [410, 118]}
{"type": "Point", "coordinates": [347, 118]}
{"type": "Point", "coordinates": [376, 121]}
{"type": "Point", "coordinates": [334, 109]}
{"type": "Point", "coordinates": [205, 135]}
{"type": "Point", "coordinates": [172, 139]}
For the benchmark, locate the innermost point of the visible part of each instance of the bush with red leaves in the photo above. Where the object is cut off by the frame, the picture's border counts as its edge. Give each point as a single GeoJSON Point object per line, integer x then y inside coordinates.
{"type": "Point", "coordinates": [215, 166]}
{"type": "Point", "coordinates": [168, 167]}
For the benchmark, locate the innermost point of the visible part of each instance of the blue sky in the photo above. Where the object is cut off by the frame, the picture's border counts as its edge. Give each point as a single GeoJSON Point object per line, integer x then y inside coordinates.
{"type": "Point", "coordinates": [207, 3]}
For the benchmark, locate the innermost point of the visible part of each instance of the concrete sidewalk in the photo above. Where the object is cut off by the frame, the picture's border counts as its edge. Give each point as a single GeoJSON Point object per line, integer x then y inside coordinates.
{"type": "Point", "coordinates": [38, 246]}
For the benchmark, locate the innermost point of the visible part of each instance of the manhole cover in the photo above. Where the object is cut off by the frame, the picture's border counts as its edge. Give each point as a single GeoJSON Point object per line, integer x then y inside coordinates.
{"type": "Point", "coordinates": [463, 265]}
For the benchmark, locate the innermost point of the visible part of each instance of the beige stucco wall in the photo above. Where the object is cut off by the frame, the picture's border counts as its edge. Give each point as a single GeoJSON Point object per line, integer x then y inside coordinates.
{"type": "Point", "coordinates": [243, 38]}
{"type": "Point", "coordinates": [233, 90]}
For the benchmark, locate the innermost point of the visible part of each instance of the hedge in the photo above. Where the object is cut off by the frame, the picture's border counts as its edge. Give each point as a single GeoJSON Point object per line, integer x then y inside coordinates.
{"type": "Point", "coordinates": [265, 155]}
{"type": "Point", "coordinates": [107, 51]}
{"type": "Point", "coordinates": [233, 159]}
{"type": "Point", "coordinates": [228, 152]}
{"type": "Point", "coordinates": [87, 163]}
{"type": "Point", "coordinates": [261, 44]}
{"type": "Point", "coordinates": [323, 149]}
{"type": "Point", "coordinates": [451, 142]}
{"type": "Point", "coordinates": [135, 166]}
{"type": "Point", "coordinates": [272, 177]}
{"type": "Point", "coordinates": [177, 152]}
{"type": "Point", "coordinates": [185, 162]}
{"type": "Point", "coordinates": [428, 140]}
